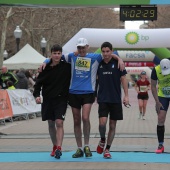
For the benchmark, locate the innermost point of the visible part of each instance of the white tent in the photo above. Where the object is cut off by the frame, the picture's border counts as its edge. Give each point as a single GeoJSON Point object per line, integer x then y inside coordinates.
{"type": "Point", "coordinates": [27, 58]}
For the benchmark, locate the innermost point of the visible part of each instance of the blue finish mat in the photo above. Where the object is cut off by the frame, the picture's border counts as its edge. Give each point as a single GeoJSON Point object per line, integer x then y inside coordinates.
{"type": "Point", "coordinates": [67, 157]}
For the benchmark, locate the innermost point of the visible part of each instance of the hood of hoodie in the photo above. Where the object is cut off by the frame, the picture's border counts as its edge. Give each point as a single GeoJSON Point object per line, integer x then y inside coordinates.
{"type": "Point", "coordinates": [21, 75]}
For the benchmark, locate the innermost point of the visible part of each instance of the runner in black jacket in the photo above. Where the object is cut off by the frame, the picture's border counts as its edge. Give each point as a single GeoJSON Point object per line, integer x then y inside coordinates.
{"type": "Point", "coordinates": [54, 81]}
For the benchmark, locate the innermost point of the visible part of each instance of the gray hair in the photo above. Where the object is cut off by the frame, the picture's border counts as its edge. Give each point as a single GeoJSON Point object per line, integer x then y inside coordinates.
{"type": "Point", "coordinates": [22, 70]}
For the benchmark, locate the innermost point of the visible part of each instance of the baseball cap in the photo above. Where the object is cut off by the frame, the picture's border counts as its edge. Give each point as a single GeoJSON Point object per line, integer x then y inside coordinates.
{"type": "Point", "coordinates": [165, 66]}
{"type": "Point", "coordinates": [143, 73]}
{"type": "Point", "coordinates": [82, 42]}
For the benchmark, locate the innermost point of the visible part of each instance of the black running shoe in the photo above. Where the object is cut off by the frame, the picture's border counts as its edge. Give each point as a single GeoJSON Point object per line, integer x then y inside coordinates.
{"type": "Point", "coordinates": [87, 151]}
{"type": "Point", "coordinates": [58, 154]}
{"type": "Point", "coordinates": [79, 153]}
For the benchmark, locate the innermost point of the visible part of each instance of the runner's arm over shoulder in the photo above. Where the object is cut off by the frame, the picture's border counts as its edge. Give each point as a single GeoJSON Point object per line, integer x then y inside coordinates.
{"type": "Point", "coordinates": [43, 65]}
{"type": "Point", "coordinates": [46, 61]}
{"type": "Point", "coordinates": [121, 64]}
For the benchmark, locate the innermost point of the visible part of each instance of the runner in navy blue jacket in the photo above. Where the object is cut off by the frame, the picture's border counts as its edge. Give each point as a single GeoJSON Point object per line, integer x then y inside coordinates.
{"type": "Point", "coordinates": [110, 79]}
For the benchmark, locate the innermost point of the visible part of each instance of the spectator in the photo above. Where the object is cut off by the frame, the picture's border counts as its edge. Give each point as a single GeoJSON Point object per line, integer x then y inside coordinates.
{"type": "Point", "coordinates": [14, 72]}
{"type": "Point", "coordinates": [6, 76]}
{"type": "Point", "coordinates": [36, 74]}
{"type": "Point", "coordinates": [30, 81]}
{"type": "Point", "coordinates": [22, 80]}
{"type": "Point", "coordinates": [10, 85]}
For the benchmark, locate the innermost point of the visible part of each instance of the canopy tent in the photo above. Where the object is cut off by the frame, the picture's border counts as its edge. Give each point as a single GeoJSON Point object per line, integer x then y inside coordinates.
{"type": "Point", "coordinates": [27, 58]}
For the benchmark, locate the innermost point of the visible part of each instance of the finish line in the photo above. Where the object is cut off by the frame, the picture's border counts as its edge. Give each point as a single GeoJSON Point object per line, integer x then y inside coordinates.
{"type": "Point", "coordinates": [137, 157]}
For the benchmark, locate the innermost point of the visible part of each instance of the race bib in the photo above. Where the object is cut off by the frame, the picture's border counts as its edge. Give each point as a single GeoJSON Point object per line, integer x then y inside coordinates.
{"type": "Point", "coordinates": [83, 64]}
{"type": "Point", "coordinates": [166, 91]}
{"type": "Point", "coordinates": [143, 88]}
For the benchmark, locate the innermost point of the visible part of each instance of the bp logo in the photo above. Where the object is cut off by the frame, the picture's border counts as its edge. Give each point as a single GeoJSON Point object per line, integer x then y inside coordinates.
{"type": "Point", "coordinates": [132, 38]}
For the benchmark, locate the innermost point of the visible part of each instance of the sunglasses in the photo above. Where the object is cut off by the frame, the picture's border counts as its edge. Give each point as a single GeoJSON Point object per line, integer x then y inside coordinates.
{"type": "Point", "coordinates": [81, 48]}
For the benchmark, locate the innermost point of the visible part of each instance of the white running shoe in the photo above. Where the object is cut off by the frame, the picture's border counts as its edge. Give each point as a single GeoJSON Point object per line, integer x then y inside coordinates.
{"type": "Point", "coordinates": [143, 117]}
{"type": "Point", "coordinates": [140, 116]}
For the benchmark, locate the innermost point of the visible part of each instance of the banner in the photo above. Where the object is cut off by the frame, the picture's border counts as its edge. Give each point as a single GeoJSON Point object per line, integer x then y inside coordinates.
{"type": "Point", "coordinates": [22, 101]}
{"type": "Point", "coordinates": [138, 70]}
{"type": "Point", "coordinates": [86, 3]}
{"type": "Point", "coordinates": [129, 55]}
{"type": "Point", "coordinates": [139, 64]}
{"type": "Point", "coordinates": [125, 39]}
{"type": "Point", "coordinates": [74, 3]}
{"type": "Point", "coordinates": [5, 106]}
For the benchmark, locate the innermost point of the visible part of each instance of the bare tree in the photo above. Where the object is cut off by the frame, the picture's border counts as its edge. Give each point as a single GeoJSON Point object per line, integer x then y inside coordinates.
{"type": "Point", "coordinates": [163, 18]}
{"type": "Point", "coordinates": [6, 17]}
{"type": "Point", "coordinates": [57, 25]}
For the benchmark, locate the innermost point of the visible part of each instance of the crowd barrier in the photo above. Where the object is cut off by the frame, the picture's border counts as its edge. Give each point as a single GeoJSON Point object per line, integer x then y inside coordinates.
{"type": "Point", "coordinates": [17, 102]}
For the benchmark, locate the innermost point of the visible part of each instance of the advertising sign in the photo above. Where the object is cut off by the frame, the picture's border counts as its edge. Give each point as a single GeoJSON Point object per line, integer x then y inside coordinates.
{"type": "Point", "coordinates": [129, 55]}
{"type": "Point", "coordinates": [86, 3]}
{"type": "Point", "coordinates": [139, 64]}
{"type": "Point", "coordinates": [5, 106]}
{"type": "Point", "coordinates": [22, 101]}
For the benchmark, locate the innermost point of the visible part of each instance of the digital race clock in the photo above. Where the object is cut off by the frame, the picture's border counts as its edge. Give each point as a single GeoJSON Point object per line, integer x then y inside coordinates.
{"type": "Point", "coordinates": [130, 13]}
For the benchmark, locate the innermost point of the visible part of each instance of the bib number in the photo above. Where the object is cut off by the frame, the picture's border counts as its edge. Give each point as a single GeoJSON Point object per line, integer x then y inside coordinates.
{"type": "Point", "coordinates": [83, 64]}
{"type": "Point", "coordinates": [166, 91]}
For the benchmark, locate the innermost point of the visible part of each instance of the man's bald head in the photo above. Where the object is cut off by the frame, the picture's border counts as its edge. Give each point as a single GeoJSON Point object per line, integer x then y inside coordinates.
{"type": "Point", "coordinates": [4, 69]}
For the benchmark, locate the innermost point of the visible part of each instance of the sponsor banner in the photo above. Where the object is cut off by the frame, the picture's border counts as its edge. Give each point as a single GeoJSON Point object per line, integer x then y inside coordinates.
{"type": "Point", "coordinates": [22, 101]}
{"type": "Point", "coordinates": [139, 64]}
{"type": "Point", "coordinates": [138, 70]}
{"type": "Point", "coordinates": [140, 39]}
{"type": "Point", "coordinates": [86, 3]}
{"type": "Point", "coordinates": [5, 106]}
{"type": "Point", "coordinates": [73, 3]}
{"type": "Point", "coordinates": [128, 55]}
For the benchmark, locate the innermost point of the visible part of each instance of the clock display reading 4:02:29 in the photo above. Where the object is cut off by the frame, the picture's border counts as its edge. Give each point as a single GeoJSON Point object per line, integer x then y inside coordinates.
{"type": "Point", "coordinates": [138, 13]}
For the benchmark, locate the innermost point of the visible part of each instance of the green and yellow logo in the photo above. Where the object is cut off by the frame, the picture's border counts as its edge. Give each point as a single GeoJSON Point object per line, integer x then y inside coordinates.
{"type": "Point", "coordinates": [132, 38]}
